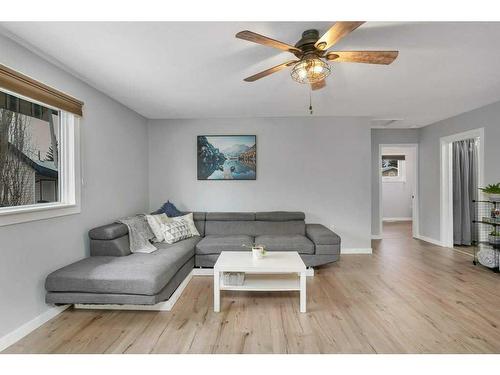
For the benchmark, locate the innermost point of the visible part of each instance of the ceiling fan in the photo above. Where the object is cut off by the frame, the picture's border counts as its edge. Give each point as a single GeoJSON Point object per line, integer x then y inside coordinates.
{"type": "Point", "coordinates": [311, 51]}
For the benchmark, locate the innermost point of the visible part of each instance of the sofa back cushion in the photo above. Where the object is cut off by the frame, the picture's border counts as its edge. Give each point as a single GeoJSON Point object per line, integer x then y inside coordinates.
{"type": "Point", "coordinates": [262, 223]}
{"type": "Point", "coordinates": [199, 222]}
{"type": "Point", "coordinates": [229, 227]}
{"type": "Point", "coordinates": [230, 216]}
{"type": "Point", "coordinates": [280, 227]}
{"type": "Point", "coordinates": [280, 216]}
{"type": "Point", "coordinates": [117, 247]}
{"type": "Point", "coordinates": [108, 231]}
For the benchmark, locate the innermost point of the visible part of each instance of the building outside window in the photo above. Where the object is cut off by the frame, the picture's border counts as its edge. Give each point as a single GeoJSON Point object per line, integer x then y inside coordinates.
{"type": "Point", "coordinates": [29, 152]}
{"type": "Point", "coordinates": [393, 168]}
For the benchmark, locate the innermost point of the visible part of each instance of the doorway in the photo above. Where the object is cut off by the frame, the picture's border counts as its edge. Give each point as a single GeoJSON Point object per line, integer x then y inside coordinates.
{"type": "Point", "coordinates": [398, 188]}
{"type": "Point", "coordinates": [450, 182]}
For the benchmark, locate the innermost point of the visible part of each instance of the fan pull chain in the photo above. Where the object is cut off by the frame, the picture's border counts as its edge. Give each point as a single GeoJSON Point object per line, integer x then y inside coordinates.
{"type": "Point", "coordinates": [310, 102]}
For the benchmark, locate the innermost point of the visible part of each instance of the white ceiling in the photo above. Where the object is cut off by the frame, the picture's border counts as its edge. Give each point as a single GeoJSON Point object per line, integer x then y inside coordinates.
{"type": "Point", "coordinates": [196, 69]}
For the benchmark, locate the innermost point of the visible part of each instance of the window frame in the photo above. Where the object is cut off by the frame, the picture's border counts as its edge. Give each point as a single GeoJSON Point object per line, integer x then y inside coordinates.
{"type": "Point", "coordinates": [69, 188]}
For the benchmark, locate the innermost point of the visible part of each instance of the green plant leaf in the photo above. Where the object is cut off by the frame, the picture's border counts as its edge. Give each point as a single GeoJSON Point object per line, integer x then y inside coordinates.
{"type": "Point", "coordinates": [491, 188]}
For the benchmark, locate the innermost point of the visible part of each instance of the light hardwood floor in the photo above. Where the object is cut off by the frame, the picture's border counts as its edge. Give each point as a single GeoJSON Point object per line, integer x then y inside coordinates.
{"type": "Point", "coordinates": [408, 297]}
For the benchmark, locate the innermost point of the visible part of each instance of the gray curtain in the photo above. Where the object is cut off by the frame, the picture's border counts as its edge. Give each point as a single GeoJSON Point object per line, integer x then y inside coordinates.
{"type": "Point", "coordinates": [465, 170]}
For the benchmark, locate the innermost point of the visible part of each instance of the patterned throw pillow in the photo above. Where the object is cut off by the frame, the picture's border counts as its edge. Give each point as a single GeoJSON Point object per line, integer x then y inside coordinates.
{"type": "Point", "coordinates": [189, 220]}
{"type": "Point", "coordinates": [176, 231]}
{"type": "Point", "coordinates": [155, 222]}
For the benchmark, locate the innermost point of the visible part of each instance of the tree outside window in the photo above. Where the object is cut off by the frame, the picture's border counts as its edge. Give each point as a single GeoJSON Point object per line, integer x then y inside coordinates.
{"type": "Point", "coordinates": [29, 152]}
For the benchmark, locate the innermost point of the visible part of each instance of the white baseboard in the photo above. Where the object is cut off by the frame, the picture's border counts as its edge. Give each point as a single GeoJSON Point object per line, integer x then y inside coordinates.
{"type": "Point", "coordinates": [376, 236]}
{"type": "Point", "coordinates": [397, 219]}
{"type": "Point", "coordinates": [25, 329]}
{"type": "Point", "coordinates": [430, 240]}
{"type": "Point", "coordinates": [367, 250]}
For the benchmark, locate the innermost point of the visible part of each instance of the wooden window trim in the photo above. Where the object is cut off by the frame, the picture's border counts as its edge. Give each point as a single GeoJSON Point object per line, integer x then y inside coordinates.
{"type": "Point", "coordinates": [26, 86]}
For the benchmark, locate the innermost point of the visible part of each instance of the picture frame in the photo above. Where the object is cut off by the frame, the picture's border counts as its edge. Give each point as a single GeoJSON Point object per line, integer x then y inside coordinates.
{"type": "Point", "coordinates": [226, 157]}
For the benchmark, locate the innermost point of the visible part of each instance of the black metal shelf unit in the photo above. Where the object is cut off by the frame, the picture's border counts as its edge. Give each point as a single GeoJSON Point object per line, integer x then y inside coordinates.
{"type": "Point", "coordinates": [487, 220]}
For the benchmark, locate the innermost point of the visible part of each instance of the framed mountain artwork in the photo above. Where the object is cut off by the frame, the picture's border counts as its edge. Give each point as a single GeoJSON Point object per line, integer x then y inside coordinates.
{"type": "Point", "coordinates": [227, 157]}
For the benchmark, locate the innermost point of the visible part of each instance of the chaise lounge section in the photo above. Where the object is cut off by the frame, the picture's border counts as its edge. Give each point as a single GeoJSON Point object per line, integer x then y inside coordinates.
{"type": "Point", "coordinates": [113, 275]}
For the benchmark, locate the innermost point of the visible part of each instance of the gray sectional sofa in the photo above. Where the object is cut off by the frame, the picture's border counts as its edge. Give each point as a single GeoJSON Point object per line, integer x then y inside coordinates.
{"type": "Point", "coordinates": [112, 275]}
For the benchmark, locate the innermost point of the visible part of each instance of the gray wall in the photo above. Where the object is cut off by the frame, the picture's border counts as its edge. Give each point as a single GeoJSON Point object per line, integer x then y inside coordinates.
{"type": "Point", "coordinates": [378, 137]}
{"type": "Point", "coordinates": [487, 117]}
{"type": "Point", "coordinates": [115, 165]}
{"type": "Point", "coordinates": [316, 165]}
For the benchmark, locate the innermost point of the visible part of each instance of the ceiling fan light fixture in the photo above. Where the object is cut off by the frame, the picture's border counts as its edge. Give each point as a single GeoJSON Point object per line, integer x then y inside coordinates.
{"type": "Point", "coordinates": [310, 69]}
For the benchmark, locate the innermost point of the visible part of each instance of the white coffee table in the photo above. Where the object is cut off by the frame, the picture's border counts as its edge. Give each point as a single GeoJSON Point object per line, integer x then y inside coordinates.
{"type": "Point", "coordinates": [277, 271]}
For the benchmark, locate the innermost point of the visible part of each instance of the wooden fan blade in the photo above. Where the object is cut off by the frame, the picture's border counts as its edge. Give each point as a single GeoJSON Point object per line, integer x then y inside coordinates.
{"type": "Point", "coordinates": [269, 71]}
{"type": "Point", "coordinates": [318, 85]}
{"type": "Point", "coordinates": [264, 40]}
{"type": "Point", "coordinates": [336, 32]}
{"type": "Point", "coordinates": [367, 57]}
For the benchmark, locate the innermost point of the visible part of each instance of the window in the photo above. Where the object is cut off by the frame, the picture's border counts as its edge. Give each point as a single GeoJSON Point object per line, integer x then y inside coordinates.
{"type": "Point", "coordinates": [393, 168]}
{"type": "Point", "coordinates": [29, 152]}
{"type": "Point", "coordinates": [39, 154]}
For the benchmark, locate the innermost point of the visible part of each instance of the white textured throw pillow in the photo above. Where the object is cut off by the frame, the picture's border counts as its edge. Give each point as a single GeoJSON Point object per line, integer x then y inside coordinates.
{"type": "Point", "coordinates": [189, 220]}
{"type": "Point", "coordinates": [175, 231]}
{"type": "Point", "coordinates": [155, 222]}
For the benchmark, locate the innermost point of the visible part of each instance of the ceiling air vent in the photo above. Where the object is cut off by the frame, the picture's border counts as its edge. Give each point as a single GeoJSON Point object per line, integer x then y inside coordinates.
{"type": "Point", "coordinates": [385, 123]}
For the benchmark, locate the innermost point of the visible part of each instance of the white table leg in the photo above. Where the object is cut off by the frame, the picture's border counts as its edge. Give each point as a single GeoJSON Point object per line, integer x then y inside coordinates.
{"type": "Point", "coordinates": [216, 291]}
{"type": "Point", "coordinates": [303, 292]}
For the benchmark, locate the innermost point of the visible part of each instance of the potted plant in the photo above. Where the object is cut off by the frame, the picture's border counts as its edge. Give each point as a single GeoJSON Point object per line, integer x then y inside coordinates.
{"type": "Point", "coordinates": [493, 191]}
{"type": "Point", "coordinates": [494, 238]}
{"type": "Point", "coordinates": [258, 251]}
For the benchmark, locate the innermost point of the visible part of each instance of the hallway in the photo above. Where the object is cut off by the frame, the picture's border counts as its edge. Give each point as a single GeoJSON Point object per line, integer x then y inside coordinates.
{"type": "Point", "coordinates": [403, 229]}
{"type": "Point", "coordinates": [396, 229]}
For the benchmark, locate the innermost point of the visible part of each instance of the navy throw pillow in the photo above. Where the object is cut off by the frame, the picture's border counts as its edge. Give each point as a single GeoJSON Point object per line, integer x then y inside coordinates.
{"type": "Point", "coordinates": [169, 209]}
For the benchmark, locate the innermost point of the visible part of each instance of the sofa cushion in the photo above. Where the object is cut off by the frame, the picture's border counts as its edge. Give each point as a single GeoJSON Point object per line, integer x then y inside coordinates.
{"type": "Point", "coordinates": [327, 249]}
{"type": "Point", "coordinates": [294, 242]}
{"type": "Point", "coordinates": [200, 226]}
{"type": "Point", "coordinates": [137, 273]}
{"type": "Point", "coordinates": [230, 216]}
{"type": "Point", "coordinates": [198, 216]}
{"type": "Point", "coordinates": [280, 228]}
{"type": "Point", "coordinates": [108, 232]}
{"type": "Point", "coordinates": [214, 244]}
{"type": "Point", "coordinates": [114, 248]}
{"type": "Point", "coordinates": [280, 216]}
{"type": "Point", "coordinates": [199, 222]}
{"type": "Point", "coordinates": [321, 235]}
{"type": "Point", "coordinates": [255, 228]}
{"type": "Point", "coordinates": [230, 228]}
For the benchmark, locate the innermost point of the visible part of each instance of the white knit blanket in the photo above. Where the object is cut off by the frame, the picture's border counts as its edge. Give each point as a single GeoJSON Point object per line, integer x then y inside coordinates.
{"type": "Point", "coordinates": [139, 233]}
